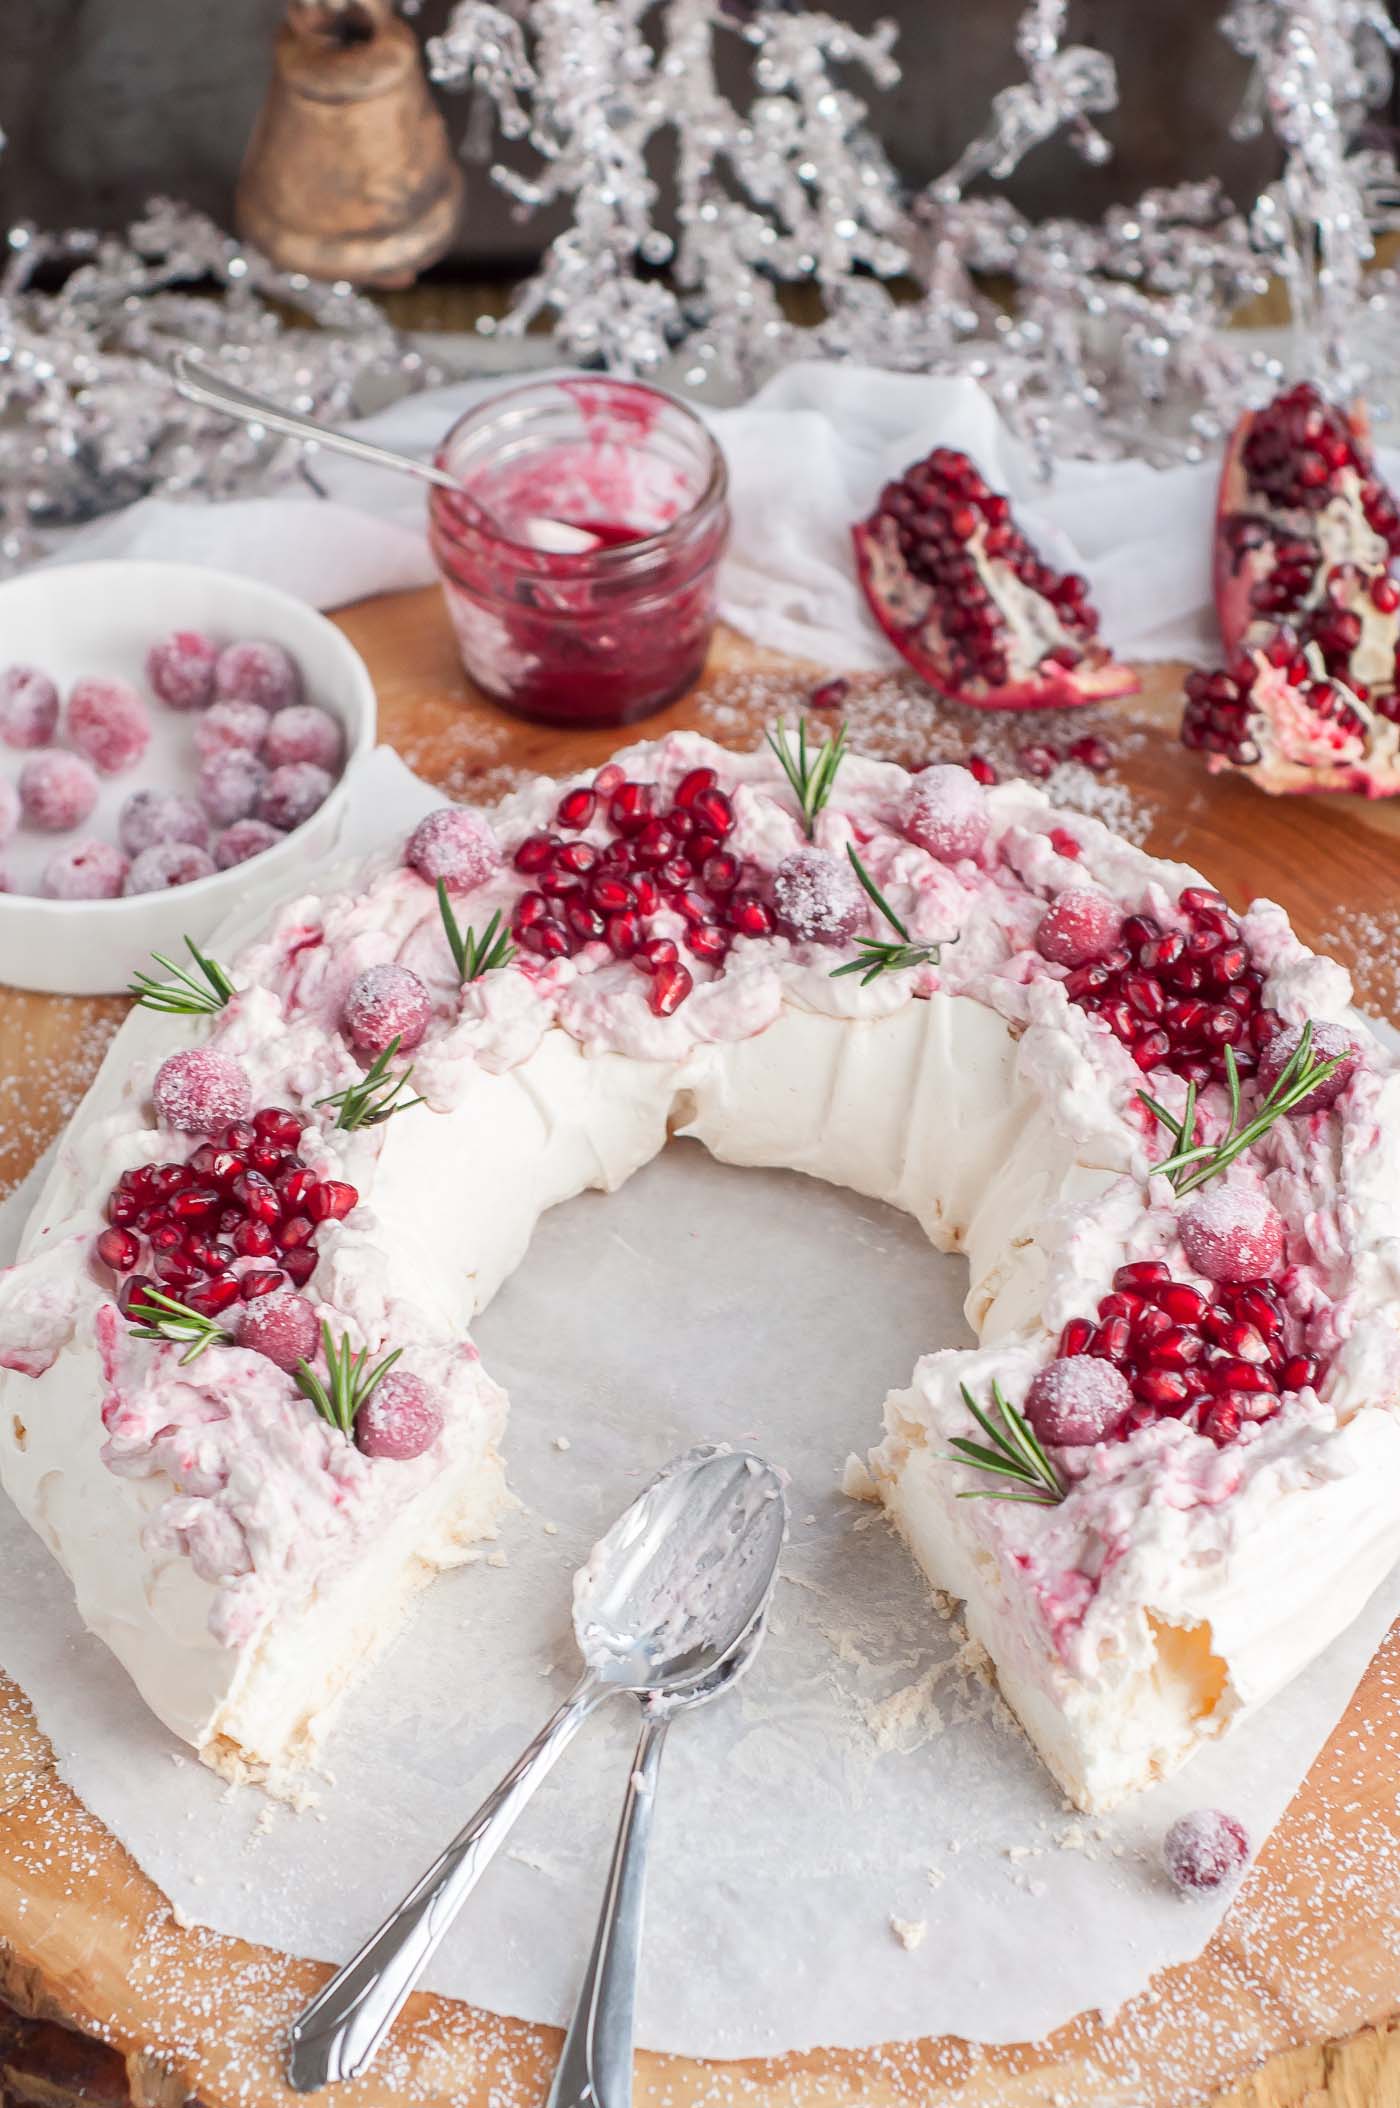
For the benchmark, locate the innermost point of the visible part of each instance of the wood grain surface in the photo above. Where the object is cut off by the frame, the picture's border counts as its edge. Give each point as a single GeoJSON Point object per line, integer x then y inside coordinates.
{"type": "Point", "coordinates": [1293, 2005]}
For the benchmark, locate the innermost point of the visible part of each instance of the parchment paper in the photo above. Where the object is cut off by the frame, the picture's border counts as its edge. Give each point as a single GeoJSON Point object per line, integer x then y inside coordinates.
{"type": "Point", "coordinates": [864, 1774]}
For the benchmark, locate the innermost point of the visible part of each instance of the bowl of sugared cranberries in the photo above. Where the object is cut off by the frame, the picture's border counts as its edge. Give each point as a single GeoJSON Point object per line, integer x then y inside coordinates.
{"type": "Point", "coordinates": [174, 745]}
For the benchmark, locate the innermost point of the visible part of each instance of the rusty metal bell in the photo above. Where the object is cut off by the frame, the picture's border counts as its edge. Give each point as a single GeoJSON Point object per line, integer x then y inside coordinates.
{"type": "Point", "coordinates": [349, 172]}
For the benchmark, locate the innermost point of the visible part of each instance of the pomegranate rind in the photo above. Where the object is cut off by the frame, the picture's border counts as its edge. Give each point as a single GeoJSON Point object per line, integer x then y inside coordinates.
{"type": "Point", "coordinates": [1301, 753]}
{"type": "Point", "coordinates": [891, 588]}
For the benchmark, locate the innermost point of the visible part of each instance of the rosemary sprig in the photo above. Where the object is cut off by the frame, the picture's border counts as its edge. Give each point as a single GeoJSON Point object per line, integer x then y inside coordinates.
{"type": "Point", "coordinates": [1014, 1453]}
{"type": "Point", "coordinates": [811, 772]}
{"type": "Point", "coordinates": [166, 1319]}
{"type": "Point", "coordinates": [375, 1097]}
{"type": "Point", "coordinates": [349, 1387]}
{"type": "Point", "coordinates": [184, 996]}
{"type": "Point", "coordinates": [877, 954]}
{"type": "Point", "coordinates": [1191, 1162]}
{"type": "Point", "coordinates": [472, 955]}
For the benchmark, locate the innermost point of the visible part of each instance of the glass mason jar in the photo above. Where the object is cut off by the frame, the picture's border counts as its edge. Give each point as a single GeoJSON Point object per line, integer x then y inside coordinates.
{"type": "Point", "coordinates": [579, 561]}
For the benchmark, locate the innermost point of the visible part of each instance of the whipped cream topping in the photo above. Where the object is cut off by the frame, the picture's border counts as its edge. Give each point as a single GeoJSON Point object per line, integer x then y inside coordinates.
{"type": "Point", "coordinates": [545, 1077]}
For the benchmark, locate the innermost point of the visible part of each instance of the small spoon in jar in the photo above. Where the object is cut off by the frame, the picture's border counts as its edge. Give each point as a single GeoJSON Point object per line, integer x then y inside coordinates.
{"type": "Point", "coordinates": [200, 384]}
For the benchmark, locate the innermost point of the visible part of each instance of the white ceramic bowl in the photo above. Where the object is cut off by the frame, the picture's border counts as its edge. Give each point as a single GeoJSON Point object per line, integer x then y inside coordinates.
{"type": "Point", "coordinates": [76, 619]}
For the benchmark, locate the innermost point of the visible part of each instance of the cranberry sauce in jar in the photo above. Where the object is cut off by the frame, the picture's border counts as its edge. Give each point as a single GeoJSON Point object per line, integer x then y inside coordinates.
{"type": "Point", "coordinates": [579, 561]}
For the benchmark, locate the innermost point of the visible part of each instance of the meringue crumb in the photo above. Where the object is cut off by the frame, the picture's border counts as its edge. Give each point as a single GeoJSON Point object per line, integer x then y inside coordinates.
{"type": "Point", "coordinates": [561, 1442]}
{"type": "Point", "coordinates": [856, 1482]}
{"type": "Point", "coordinates": [551, 1529]}
{"type": "Point", "coordinates": [497, 1559]}
{"type": "Point", "coordinates": [935, 1876]}
{"type": "Point", "coordinates": [910, 1932]}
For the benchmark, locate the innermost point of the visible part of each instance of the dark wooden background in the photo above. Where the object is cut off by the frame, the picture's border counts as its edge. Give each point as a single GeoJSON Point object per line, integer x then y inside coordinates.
{"type": "Point", "coordinates": [106, 101]}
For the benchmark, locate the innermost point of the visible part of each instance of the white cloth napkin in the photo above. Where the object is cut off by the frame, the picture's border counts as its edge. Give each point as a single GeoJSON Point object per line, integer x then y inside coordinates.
{"type": "Point", "coordinates": [807, 456]}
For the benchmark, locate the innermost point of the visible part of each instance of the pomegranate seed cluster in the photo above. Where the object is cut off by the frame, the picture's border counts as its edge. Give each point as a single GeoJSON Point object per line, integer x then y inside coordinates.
{"type": "Point", "coordinates": [1176, 998]}
{"type": "Point", "coordinates": [234, 1223]}
{"type": "Point", "coordinates": [1219, 705]}
{"type": "Point", "coordinates": [262, 761]}
{"type": "Point", "coordinates": [1213, 1359]}
{"type": "Point", "coordinates": [660, 857]}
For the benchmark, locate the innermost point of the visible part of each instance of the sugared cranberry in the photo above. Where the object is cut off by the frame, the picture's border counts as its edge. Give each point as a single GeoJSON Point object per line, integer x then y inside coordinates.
{"type": "Point", "coordinates": [199, 1091]}
{"type": "Point", "coordinates": [1080, 925]}
{"type": "Point", "coordinates": [400, 1419]}
{"type": "Point", "coordinates": [168, 864]}
{"type": "Point", "coordinates": [149, 817]}
{"type": "Point", "coordinates": [180, 668]}
{"type": "Point", "coordinates": [304, 732]}
{"type": "Point", "coordinates": [292, 793]}
{"type": "Point", "coordinates": [453, 845]}
{"type": "Point", "coordinates": [57, 792]}
{"type": "Point", "coordinates": [88, 870]}
{"type": "Point", "coordinates": [28, 707]}
{"type": "Point", "coordinates": [1205, 1851]}
{"type": "Point", "coordinates": [1232, 1233]}
{"type": "Point", "coordinates": [230, 785]}
{"type": "Point", "coordinates": [385, 1003]}
{"type": "Point", "coordinates": [108, 722]}
{"type": "Point", "coordinates": [1077, 1399]}
{"type": "Point", "coordinates": [281, 1326]}
{"type": "Point", "coordinates": [1329, 1043]}
{"type": "Point", "coordinates": [227, 727]}
{"type": "Point", "coordinates": [818, 897]}
{"type": "Point", "coordinates": [234, 845]}
{"type": "Point", "coordinates": [946, 813]}
{"type": "Point", "coordinates": [257, 672]}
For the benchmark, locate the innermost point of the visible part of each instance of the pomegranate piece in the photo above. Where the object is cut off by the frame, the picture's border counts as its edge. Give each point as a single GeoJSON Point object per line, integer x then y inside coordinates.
{"type": "Point", "coordinates": [399, 1420]}
{"type": "Point", "coordinates": [1329, 1043]}
{"type": "Point", "coordinates": [830, 695]}
{"type": "Point", "coordinates": [982, 771]}
{"type": "Point", "coordinates": [304, 732]}
{"type": "Point", "coordinates": [1090, 753]}
{"type": "Point", "coordinates": [1232, 1233]}
{"type": "Point", "coordinates": [199, 1091]}
{"type": "Point", "coordinates": [292, 793]}
{"type": "Point", "coordinates": [168, 864]}
{"type": "Point", "coordinates": [817, 898]}
{"type": "Point", "coordinates": [257, 672]}
{"type": "Point", "coordinates": [1297, 487]}
{"type": "Point", "coordinates": [1205, 1851]}
{"type": "Point", "coordinates": [89, 870]}
{"type": "Point", "coordinates": [281, 1326]}
{"type": "Point", "coordinates": [947, 813]}
{"type": "Point", "coordinates": [180, 668]}
{"type": "Point", "coordinates": [28, 707]}
{"type": "Point", "coordinates": [670, 985]}
{"type": "Point", "coordinates": [1079, 926]}
{"type": "Point", "coordinates": [57, 792]}
{"type": "Point", "coordinates": [230, 785]}
{"type": "Point", "coordinates": [1277, 718]}
{"type": "Point", "coordinates": [1038, 760]}
{"type": "Point", "coordinates": [108, 722]}
{"type": "Point", "coordinates": [152, 816]}
{"type": "Point", "coordinates": [1078, 1399]}
{"type": "Point", "coordinates": [385, 1003]}
{"type": "Point", "coordinates": [234, 845]}
{"type": "Point", "coordinates": [965, 599]}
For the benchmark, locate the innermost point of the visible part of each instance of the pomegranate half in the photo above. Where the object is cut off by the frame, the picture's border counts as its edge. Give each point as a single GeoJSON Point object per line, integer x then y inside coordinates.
{"type": "Point", "coordinates": [1306, 533]}
{"type": "Point", "coordinates": [964, 597]}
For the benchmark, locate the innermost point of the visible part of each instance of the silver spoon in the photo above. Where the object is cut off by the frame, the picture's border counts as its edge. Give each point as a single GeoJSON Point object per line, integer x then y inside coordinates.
{"type": "Point", "coordinates": [200, 384]}
{"type": "Point", "coordinates": [595, 2064]}
{"type": "Point", "coordinates": [678, 1580]}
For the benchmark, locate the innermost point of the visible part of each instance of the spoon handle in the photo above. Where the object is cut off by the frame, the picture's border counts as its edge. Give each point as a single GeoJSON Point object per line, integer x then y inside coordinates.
{"type": "Point", "coordinates": [595, 2066]}
{"type": "Point", "coordinates": [200, 384]}
{"type": "Point", "coordinates": [339, 2032]}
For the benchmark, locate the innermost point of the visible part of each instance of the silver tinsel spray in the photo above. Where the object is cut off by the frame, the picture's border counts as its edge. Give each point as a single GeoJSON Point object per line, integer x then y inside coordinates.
{"type": "Point", "coordinates": [1116, 339]}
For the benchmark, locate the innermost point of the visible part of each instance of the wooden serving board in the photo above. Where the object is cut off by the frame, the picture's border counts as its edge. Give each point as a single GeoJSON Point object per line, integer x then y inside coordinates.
{"type": "Point", "coordinates": [1309, 1955]}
